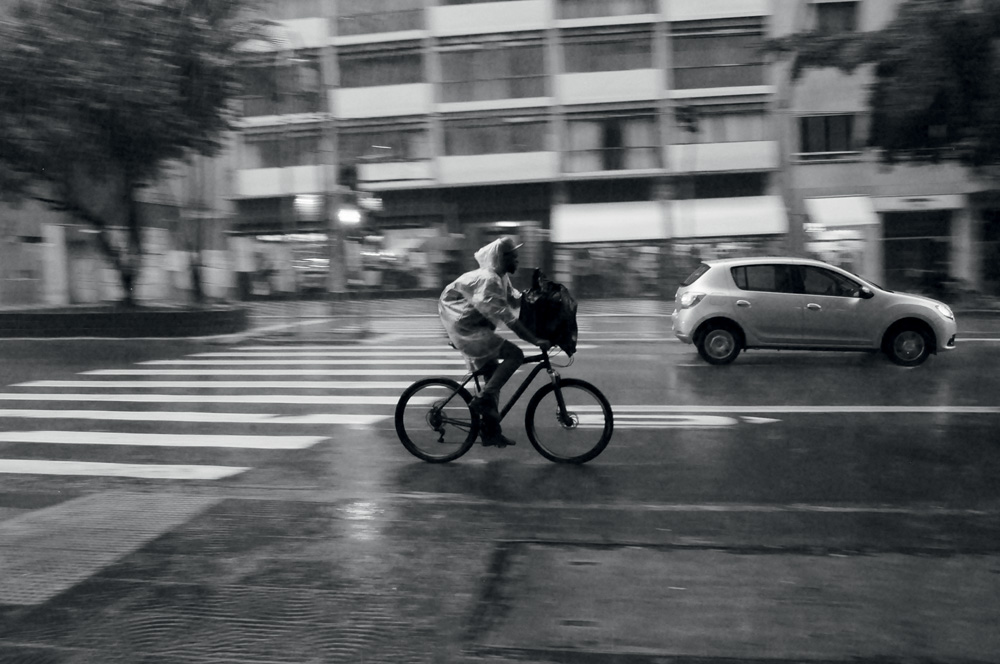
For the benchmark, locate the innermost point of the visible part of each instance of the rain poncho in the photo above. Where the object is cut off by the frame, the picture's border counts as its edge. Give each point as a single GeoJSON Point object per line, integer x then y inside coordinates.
{"type": "Point", "coordinates": [473, 305]}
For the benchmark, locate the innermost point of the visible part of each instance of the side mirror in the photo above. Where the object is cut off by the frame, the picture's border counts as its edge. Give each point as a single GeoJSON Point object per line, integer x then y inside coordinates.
{"type": "Point", "coordinates": [866, 293]}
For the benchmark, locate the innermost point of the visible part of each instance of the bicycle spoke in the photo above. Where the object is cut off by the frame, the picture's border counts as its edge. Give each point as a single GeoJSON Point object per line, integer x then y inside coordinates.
{"type": "Point", "coordinates": [575, 433]}
{"type": "Point", "coordinates": [433, 420]}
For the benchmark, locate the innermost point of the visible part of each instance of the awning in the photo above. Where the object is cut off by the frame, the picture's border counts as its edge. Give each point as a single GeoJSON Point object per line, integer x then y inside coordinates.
{"type": "Point", "coordinates": [729, 217]}
{"type": "Point", "coordinates": [838, 211]}
{"type": "Point", "coordinates": [609, 222]}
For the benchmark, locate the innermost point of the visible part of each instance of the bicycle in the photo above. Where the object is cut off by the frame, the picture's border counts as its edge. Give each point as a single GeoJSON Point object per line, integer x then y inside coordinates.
{"type": "Point", "coordinates": [568, 420]}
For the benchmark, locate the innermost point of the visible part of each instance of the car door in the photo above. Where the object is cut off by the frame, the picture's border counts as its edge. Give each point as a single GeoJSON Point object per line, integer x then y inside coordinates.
{"type": "Point", "coordinates": [767, 303]}
{"type": "Point", "coordinates": [834, 312]}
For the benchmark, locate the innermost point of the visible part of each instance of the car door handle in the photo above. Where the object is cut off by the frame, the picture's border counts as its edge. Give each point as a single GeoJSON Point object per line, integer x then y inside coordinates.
{"type": "Point", "coordinates": [742, 303]}
{"type": "Point", "coordinates": [813, 306]}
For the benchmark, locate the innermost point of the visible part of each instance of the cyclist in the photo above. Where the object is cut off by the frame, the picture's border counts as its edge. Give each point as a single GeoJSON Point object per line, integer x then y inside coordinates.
{"type": "Point", "coordinates": [471, 307]}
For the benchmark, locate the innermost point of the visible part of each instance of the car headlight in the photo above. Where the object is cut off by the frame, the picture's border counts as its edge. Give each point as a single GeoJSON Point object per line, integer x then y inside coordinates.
{"type": "Point", "coordinates": [690, 299]}
{"type": "Point", "coordinates": [945, 311]}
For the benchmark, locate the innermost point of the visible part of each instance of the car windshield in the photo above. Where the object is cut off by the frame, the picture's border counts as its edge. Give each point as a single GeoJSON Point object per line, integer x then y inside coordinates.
{"type": "Point", "coordinates": [696, 275]}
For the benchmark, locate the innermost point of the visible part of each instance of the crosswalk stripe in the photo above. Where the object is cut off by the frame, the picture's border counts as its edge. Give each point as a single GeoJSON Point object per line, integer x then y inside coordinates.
{"type": "Point", "coordinates": [93, 468]}
{"type": "Point", "coordinates": [185, 416]}
{"type": "Point", "coordinates": [161, 439]}
{"type": "Point", "coordinates": [452, 371]}
{"type": "Point", "coordinates": [331, 353]}
{"type": "Point", "coordinates": [224, 384]}
{"type": "Point", "coordinates": [304, 399]}
{"type": "Point", "coordinates": [361, 361]}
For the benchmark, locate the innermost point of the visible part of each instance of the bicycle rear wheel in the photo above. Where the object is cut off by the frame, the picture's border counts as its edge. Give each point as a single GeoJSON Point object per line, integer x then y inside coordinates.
{"type": "Point", "coordinates": [575, 435]}
{"type": "Point", "coordinates": [434, 421]}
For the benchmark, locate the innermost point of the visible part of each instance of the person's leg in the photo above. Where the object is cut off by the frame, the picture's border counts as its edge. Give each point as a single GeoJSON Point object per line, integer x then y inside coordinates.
{"type": "Point", "coordinates": [511, 358]}
{"type": "Point", "coordinates": [488, 401]}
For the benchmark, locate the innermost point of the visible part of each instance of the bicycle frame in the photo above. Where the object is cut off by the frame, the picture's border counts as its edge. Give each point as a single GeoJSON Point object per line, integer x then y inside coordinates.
{"type": "Point", "coordinates": [541, 362]}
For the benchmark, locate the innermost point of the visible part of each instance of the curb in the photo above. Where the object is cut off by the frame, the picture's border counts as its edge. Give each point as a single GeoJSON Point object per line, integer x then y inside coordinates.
{"type": "Point", "coordinates": [123, 324]}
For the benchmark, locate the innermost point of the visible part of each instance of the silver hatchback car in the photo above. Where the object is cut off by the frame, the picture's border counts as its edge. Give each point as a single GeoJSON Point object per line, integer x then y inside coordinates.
{"type": "Point", "coordinates": [735, 304]}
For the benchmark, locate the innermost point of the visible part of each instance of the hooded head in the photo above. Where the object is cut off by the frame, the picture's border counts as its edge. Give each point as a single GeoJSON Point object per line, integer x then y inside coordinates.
{"type": "Point", "coordinates": [499, 256]}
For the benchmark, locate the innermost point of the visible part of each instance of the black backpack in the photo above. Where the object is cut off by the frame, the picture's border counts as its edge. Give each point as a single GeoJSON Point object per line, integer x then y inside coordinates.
{"type": "Point", "coordinates": [549, 311]}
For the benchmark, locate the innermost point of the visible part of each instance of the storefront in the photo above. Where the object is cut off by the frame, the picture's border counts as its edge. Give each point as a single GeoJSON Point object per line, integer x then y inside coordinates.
{"type": "Point", "coordinates": [844, 231]}
{"type": "Point", "coordinates": [610, 249]}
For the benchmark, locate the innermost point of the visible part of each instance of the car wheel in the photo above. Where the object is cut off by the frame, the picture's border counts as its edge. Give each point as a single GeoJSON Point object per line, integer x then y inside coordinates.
{"type": "Point", "coordinates": [720, 344]}
{"type": "Point", "coordinates": [908, 346]}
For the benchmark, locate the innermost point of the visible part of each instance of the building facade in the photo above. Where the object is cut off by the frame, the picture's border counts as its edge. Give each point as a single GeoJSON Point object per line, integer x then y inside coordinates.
{"type": "Point", "coordinates": [922, 228]}
{"type": "Point", "coordinates": [383, 141]}
{"type": "Point", "coordinates": [50, 258]}
{"type": "Point", "coordinates": [560, 121]}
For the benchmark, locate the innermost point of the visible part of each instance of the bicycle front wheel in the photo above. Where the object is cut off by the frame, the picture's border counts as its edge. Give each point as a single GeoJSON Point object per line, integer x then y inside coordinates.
{"type": "Point", "coordinates": [434, 421]}
{"type": "Point", "coordinates": [575, 433]}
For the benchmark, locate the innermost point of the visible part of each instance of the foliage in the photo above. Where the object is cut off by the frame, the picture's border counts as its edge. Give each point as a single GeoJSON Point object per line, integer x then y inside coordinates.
{"type": "Point", "coordinates": [98, 96]}
{"type": "Point", "coordinates": [936, 87]}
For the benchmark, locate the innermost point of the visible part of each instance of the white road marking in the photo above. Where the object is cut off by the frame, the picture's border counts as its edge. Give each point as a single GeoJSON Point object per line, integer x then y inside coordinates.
{"type": "Point", "coordinates": [364, 353]}
{"type": "Point", "coordinates": [182, 416]}
{"type": "Point", "coordinates": [424, 373]}
{"type": "Point", "coordinates": [225, 384]}
{"type": "Point", "coordinates": [294, 399]}
{"type": "Point", "coordinates": [161, 439]}
{"type": "Point", "coordinates": [958, 410]}
{"type": "Point", "coordinates": [291, 361]}
{"type": "Point", "coordinates": [146, 471]}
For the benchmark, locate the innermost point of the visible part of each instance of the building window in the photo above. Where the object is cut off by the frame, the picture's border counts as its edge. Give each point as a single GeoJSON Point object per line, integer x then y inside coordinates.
{"type": "Point", "coordinates": [728, 125]}
{"type": "Point", "coordinates": [478, 72]}
{"type": "Point", "coordinates": [370, 69]}
{"type": "Point", "coordinates": [384, 144]}
{"type": "Point", "coordinates": [612, 144]}
{"type": "Point", "coordinates": [281, 151]}
{"type": "Point", "coordinates": [833, 17]}
{"type": "Point", "coordinates": [493, 135]}
{"type": "Point", "coordinates": [827, 134]}
{"type": "Point", "coordinates": [590, 8]}
{"type": "Point", "coordinates": [283, 10]}
{"type": "Point", "coordinates": [361, 17]}
{"type": "Point", "coordinates": [729, 185]}
{"type": "Point", "coordinates": [284, 87]}
{"type": "Point", "coordinates": [716, 54]}
{"type": "Point", "coordinates": [615, 51]}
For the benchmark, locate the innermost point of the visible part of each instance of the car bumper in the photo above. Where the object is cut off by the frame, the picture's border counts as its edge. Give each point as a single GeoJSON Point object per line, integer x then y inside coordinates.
{"type": "Point", "coordinates": [946, 332]}
{"type": "Point", "coordinates": [681, 327]}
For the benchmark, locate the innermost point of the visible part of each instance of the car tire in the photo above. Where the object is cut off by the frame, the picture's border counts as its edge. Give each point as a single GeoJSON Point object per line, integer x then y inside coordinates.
{"type": "Point", "coordinates": [719, 343]}
{"type": "Point", "coordinates": [907, 345]}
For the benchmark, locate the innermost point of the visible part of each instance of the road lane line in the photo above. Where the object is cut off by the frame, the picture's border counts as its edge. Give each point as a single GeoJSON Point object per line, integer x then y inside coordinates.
{"type": "Point", "coordinates": [961, 410]}
{"type": "Point", "coordinates": [183, 416]}
{"type": "Point", "coordinates": [92, 468]}
{"type": "Point", "coordinates": [225, 384]}
{"type": "Point", "coordinates": [291, 399]}
{"type": "Point", "coordinates": [161, 439]}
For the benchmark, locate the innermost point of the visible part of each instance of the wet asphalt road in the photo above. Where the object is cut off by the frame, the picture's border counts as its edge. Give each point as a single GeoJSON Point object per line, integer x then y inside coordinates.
{"type": "Point", "coordinates": [786, 464]}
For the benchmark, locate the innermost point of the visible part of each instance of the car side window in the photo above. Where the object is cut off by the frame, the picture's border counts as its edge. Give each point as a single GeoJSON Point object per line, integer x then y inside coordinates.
{"type": "Point", "coordinates": [764, 278]}
{"type": "Point", "coordinates": [819, 281]}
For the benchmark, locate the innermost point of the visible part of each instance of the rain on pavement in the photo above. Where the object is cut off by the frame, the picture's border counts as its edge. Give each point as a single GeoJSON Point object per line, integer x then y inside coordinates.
{"type": "Point", "coordinates": [206, 501]}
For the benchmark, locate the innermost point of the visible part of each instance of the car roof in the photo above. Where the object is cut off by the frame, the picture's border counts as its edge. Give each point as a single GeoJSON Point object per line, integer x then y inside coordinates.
{"type": "Point", "coordinates": [759, 260]}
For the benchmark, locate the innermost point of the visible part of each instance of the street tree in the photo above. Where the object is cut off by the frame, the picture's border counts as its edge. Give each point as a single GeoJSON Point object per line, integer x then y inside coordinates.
{"type": "Point", "coordinates": [99, 97]}
{"type": "Point", "coordinates": [936, 78]}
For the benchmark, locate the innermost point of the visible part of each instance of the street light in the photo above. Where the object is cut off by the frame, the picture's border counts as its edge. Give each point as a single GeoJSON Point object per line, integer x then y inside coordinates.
{"type": "Point", "coordinates": [349, 216]}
